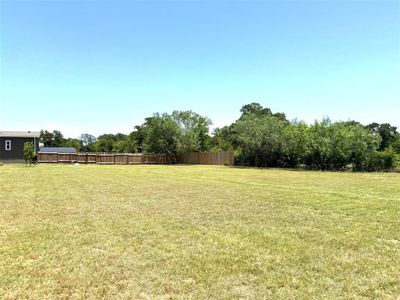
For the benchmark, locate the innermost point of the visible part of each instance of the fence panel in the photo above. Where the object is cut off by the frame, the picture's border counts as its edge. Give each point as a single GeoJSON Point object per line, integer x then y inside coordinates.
{"type": "Point", "coordinates": [81, 158]}
{"type": "Point", "coordinates": [105, 159]}
{"type": "Point", "coordinates": [72, 157]}
{"type": "Point", "coordinates": [135, 159]}
{"type": "Point", "coordinates": [161, 159]}
{"type": "Point", "coordinates": [121, 159]}
{"type": "Point", "coordinates": [206, 158]}
{"type": "Point", "coordinates": [64, 158]}
{"type": "Point", "coordinates": [91, 158]}
{"type": "Point", "coordinates": [48, 157]}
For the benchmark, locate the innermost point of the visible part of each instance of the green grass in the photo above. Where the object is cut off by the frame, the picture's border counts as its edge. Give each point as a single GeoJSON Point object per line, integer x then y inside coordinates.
{"type": "Point", "coordinates": [147, 232]}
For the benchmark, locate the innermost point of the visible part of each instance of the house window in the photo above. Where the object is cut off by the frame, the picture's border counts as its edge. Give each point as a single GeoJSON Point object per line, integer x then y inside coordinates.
{"type": "Point", "coordinates": [8, 145]}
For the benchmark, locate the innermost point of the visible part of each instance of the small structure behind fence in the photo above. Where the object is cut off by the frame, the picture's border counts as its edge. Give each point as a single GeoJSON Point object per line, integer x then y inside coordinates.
{"type": "Point", "coordinates": [203, 158]}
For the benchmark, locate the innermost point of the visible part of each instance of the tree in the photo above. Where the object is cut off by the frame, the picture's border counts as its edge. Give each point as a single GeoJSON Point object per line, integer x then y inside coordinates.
{"type": "Point", "coordinates": [296, 139]}
{"type": "Point", "coordinates": [131, 142]}
{"type": "Point", "coordinates": [139, 135]}
{"type": "Point", "coordinates": [58, 138]}
{"type": "Point", "coordinates": [47, 138]}
{"type": "Point", "coordinates": [386, 131]}
{"type": "Point", "coordinates": [74, 143]}
{"type": "Point", "coordinates": [52, 139]}
{"type": "Point", "coordinates": [334, 146]}
{"type": "Point", "coordinates": [396, 143]}
{"type": "Point", "coordinates": [257, 110]}
{"type": "Point", "coordinates": [390, 159]}
{"type": "Point", "coordinates": [383, 160]}
{"type": "Point", "coordinates": [87, 140]}
{"type": "Point", "coordinates": [256, 137]}
{"type": "Point", "coordinates": [221, 140]}
{"type": "Point", "coordinates": [29, 152]}
{"type": "Point", "coordinates": [106, 142]}
{"type": "Point", "coordinates": [162, 135]}
{"type": "Point", "coordinates": [194, 130]}
{"type": "Point", "coordinates": [260, 140]}
{"type": "Point", "coordinates": [125, 145]}
{"type": "Point", "coordinates": [318, 145]}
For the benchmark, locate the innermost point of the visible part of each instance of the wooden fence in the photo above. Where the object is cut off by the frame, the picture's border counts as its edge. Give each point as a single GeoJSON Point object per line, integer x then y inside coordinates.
{"type": "Point", "coordinates": [102, 158]}
{"type": "Point", "coordinates": [207, 158]}
{"type": "Point", "coordinates": [203, 158]}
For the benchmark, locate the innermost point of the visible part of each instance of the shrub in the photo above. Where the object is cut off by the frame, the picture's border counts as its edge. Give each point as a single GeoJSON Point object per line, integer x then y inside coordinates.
{"type": "Point", "coordinates": [386, 160]}
{"type": "Point", "coordinates": [389, 159]}
{"type": "Point", "coordinates": [29, 152]}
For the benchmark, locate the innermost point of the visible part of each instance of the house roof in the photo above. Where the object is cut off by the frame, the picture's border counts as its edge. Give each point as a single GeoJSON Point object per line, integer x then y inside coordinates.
{"type": "Point", "coordinates": [22, 134]}
{"type": "Point", "coordinates": [58, 149]}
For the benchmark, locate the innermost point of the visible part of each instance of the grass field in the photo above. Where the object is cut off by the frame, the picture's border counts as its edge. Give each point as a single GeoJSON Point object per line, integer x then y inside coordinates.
{"type": "Point", "coordinates": [147, 232]}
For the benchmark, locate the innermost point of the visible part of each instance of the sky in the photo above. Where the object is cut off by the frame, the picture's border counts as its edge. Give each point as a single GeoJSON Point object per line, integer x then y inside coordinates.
{"type": "Point", "coordinates": [103, 66]}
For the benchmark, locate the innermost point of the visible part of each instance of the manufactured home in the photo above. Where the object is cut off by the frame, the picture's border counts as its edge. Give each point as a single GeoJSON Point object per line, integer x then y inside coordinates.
{"type": "Point", "coordinates": [12, 143]}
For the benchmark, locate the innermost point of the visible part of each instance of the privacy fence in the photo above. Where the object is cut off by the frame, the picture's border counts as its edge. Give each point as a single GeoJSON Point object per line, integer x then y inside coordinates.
{"type": "Point", "coordinates": [102, 158]}
{"type": "Point", "coordinates": [206, 158]}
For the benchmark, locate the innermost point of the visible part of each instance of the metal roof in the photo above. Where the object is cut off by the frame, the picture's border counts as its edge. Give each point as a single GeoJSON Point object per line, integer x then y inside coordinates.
{"type": "Point", "coordinates": [58, 149]}
{"type": "Point", "coordinates": [22, 134]}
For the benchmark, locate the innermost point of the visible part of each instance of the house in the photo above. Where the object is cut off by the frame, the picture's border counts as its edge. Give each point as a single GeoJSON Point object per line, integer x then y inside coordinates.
{"type": "Point", "coordinates": [12, 143]}
{"type": "Point", "coordinates": [58, 150]}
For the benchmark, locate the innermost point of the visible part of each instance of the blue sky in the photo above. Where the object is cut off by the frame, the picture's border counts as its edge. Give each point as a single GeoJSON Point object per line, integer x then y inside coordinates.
{"type": "Point", "coordinates": [103, 66]}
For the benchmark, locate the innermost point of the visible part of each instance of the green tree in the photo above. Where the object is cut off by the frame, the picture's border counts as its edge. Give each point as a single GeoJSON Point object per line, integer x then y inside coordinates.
{"type": "Point", "coordinates": [257, 110]}
{"type": "Point", "coordinates": [194, 131]}
{"type": "Point", "coordinates": [221, 140]}
{"type": "Point", "coordinates": [74, 143]}
{"type": "Point", "coordinates": [296, 140]}
{"type": "Point", "coordinates": [364, 145]}
{"type": "Point", "coordinates": [162, 135]}
{"type": "Point", "coordinates": [47, 138]}
{"type": "Point", "coordinates": [334, 146]}
{"type": "Point", "coordinates": [390, 159]}
{"type": "Point", "coordinates": [396, 143]}
{"type": "Point", "coordinates": [139, 135]}
{"type": "Point", "coordinates": [87, 141]}
{"type": "Point", "coordinates": [254, 108]}
{"type": "Point", "coordinates": [259, 140]}
{"type": "Point", "coordinates": [58, 138]}
{"type": "Point", "coordinates": [385, 160]}
{"type": "Point", "coordinates": [125, 145]}
{"type": "Point", "coordinates": [386, 131]}
{"type": "Point", "coordinates": [319, 145]}
{"type": "Point", "coordinates": [52, 139]}
{"type": "Point", "coordinates": [106, 142]}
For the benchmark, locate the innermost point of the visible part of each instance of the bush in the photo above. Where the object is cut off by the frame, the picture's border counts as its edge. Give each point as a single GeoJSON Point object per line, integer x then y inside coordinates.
{"type": "Point", "coordinates": [386, 160]}
{"type": "Point", "coordinates": [389, 158]}
{"type": "Point", "coordinates": [29, 152]}
{"type": "Point", "coordinates": [396, 144]}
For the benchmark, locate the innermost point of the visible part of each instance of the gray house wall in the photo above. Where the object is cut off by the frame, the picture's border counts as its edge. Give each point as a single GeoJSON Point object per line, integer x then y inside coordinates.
{"type": "Point", "coordinates": [17, 147]}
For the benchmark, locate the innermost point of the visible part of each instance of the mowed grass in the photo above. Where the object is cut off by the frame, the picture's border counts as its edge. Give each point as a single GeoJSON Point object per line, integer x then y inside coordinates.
{"type": "Point", "coordinates": [145, 232]}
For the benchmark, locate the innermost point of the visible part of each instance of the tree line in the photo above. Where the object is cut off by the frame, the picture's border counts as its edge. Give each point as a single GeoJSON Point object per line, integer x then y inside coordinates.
{"type": "Point", "coordinates": [258, 138]}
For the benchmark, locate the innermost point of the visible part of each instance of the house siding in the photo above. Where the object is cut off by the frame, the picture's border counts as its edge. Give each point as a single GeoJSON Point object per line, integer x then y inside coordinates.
{"type": "Point", "coordinates": [17, 147]}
